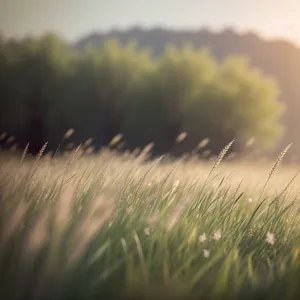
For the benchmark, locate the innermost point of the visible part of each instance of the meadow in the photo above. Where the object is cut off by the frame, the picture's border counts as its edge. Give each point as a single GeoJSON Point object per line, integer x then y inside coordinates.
{"type": "Point", "coordinates": [119, 226]}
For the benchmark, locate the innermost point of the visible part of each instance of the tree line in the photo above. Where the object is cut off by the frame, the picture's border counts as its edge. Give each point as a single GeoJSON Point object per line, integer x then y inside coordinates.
{"type": "Point", "coordinates": [47, 87]}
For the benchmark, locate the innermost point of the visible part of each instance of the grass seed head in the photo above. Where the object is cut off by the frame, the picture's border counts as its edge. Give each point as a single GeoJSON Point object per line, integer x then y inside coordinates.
{"type": "Point", "coordinates": [68, 133]}
{"type": "Point", "coordinates": [181, 137]}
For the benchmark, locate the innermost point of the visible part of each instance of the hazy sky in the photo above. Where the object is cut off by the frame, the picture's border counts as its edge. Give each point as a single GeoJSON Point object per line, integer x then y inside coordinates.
{"type": "Point", "coordinates": [75, 18]}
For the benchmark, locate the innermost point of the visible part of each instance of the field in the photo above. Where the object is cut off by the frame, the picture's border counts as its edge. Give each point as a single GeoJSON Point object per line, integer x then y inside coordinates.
{"type": "Point", "coordinates": [113, 226]}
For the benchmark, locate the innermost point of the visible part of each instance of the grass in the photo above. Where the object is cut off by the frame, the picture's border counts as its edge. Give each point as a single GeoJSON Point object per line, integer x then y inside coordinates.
{"type": "Point", "coordinates": [110, 226]}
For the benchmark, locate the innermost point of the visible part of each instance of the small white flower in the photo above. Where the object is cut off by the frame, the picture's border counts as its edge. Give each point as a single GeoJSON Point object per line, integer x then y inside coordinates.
{"type": "Point", "coordinates": [217, 235]}
{"type": "Point", "coordinates": [147, 231]}
{"type": "Point", "coordinates": [206, 253]}
{"type": "Point", "coordinates": [202, 238]}
{"type": "Point", "coordinates": [270, 239]}
{"type": "Point", "coordinates": [250, 200]}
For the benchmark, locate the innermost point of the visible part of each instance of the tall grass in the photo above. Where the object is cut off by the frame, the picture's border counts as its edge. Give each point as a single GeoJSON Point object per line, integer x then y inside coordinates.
{"type": "Point", "coordinates": [114, 226]}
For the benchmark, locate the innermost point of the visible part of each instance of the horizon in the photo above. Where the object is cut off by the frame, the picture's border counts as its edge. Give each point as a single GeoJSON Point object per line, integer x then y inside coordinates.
{"type": "Point", "coordinates": [180, 29]}
{"type": "Point", "coordinates": [73, 20]}
{"type": "Point", "coordinates": [238, 32]}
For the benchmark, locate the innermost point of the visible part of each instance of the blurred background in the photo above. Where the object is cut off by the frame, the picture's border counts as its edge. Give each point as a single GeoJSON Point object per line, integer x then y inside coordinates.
{"type": "Point", "coordinates": [187, 76]}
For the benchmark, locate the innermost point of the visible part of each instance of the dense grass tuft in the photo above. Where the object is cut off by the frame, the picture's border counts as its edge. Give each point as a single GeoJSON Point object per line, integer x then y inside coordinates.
{"type": "Point", "coordinates": [112, 226]}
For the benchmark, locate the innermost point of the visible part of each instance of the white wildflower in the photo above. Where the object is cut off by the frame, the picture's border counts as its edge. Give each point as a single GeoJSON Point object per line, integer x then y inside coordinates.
{"type": "Point", "coordinates": [147, 231]}
{"type": "Point", "coordinates": [206, 253]}
{"type": "Point", "coordinates": [217, 235]}
{"type": "Point", "coordinates": [202, 238]}
{"type": "Point", "coordinates": [270, 239]}
{"type": "Point", "coordinates": [250, 200]}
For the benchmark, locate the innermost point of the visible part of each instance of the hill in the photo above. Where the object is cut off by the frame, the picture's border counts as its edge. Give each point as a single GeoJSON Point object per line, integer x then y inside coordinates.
{"type": "Point", "coordinates": [278, 58]}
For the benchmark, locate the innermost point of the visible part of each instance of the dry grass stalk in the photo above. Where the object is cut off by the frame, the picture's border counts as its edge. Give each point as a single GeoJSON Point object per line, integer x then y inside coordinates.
{"type": "Point", "coordinates": [115, 140]}
{"type": "Point", "coordinates": [203, 143]}
{"type": "Point", "coordinates": [68, 133]}
{"type": "Point", "coordinates": [181, 137]}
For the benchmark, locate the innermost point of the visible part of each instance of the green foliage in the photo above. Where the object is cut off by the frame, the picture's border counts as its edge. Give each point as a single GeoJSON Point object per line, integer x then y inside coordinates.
{"type": "Point", "coordinates": [37, 71]}
{"type": "Point", "coordinates": [238, 103]}
{"type": "Point", "coordinates": [145, 120]}
{"type": "Point", "coordinates": [47, 88]}
{"type": "Point", "coordinates": [103, 80]}
{"type": "Point", "coordinates": [80, 228]}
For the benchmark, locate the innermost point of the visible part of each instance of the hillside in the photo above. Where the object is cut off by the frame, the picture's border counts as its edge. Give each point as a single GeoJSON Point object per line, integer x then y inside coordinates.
{"type": "Point", "coordinates": [278, 58]}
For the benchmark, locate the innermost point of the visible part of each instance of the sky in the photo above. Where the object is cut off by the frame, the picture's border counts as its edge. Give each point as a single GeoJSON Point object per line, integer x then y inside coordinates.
{"type": "Point", "coordinates": [73, 19]}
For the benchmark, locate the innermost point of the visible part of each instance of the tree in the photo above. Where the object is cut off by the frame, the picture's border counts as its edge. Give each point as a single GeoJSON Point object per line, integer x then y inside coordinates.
{"type": "Point", "coordinates": [46, 88]}
{"type": "Point", "coordinates": [159, 106]}
{"type": "Point", "coordinates": [145, 120]}
{"type": "Point", "coordinates": [104, 78]}
{"type": "Point", "coordinates": [239, 103]}
{"type": "Point", "coordinates": [4, 90]}
{"type": "Point", "coordinates": [37, 72]}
